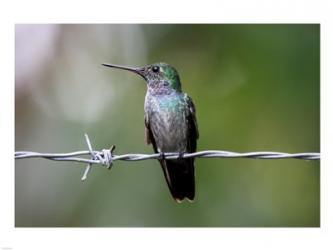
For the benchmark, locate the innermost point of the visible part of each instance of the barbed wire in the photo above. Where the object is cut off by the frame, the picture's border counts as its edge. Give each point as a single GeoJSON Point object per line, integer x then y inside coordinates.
{"type": "Point", "coordinates": [106, 156]}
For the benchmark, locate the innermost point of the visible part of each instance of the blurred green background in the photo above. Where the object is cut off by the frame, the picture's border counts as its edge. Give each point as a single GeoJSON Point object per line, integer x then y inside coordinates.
{"type": "Point", "coordinates": [256, 88]}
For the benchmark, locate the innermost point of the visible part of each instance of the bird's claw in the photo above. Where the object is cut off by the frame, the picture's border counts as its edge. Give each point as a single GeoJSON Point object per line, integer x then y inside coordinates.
{"type": "Point", "coordinates": [180, 155]}
{"type": "Point", "coordinates": [161, 156]}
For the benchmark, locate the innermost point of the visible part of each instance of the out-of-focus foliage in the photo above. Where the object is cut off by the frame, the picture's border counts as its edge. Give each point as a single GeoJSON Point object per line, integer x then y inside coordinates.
{"type": "Point", "coordinates": [256, 88]}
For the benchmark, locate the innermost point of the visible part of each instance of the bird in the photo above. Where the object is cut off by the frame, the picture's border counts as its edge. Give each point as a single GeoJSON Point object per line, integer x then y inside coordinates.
{"type": "Point", "coordinates": [170, 125]}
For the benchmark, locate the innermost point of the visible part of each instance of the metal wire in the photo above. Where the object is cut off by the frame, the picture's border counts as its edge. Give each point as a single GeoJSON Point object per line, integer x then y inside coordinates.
{"type": "Point", "coordinates": [106, 157]}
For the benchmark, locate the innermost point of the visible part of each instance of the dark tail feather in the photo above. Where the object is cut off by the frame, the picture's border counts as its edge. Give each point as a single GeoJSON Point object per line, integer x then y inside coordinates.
{"type": "Point", "coordinates": [179, 175]}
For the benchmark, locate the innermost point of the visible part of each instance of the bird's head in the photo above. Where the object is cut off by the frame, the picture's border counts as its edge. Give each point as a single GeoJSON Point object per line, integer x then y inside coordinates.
{"type": "Point", "coordinates": [157, 75]}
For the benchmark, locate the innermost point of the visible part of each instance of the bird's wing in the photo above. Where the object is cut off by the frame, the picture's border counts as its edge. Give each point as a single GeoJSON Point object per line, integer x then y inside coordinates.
{"type": "Point", "coordinates": [149, 137]}
{"type": "Point", "coordinates": [193, 132]}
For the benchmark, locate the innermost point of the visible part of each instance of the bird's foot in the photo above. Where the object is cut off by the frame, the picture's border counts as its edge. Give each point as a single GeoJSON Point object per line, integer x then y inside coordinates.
{"type": "Point", "coordinates": [180, 155]}
{"type": "Point", "coordinates": [161, 156]}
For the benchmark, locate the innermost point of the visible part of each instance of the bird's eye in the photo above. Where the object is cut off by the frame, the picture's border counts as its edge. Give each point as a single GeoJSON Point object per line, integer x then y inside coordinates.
{"type": "Point", "coordinates": [156, 69]}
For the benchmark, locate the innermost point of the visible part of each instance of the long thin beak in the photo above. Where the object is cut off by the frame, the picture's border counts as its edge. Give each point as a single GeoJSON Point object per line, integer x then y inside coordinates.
{"type": "Point", "coordinates": [139, 71]}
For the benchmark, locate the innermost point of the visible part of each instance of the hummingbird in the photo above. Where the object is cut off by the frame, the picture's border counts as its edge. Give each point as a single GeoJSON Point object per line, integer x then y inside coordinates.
{"type": "Point", "coordinates": [170, 125]}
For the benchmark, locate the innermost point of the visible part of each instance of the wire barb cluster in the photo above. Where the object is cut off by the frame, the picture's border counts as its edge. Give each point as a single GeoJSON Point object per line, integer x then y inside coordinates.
{"type": "Point", "coordinates": [106, 157]}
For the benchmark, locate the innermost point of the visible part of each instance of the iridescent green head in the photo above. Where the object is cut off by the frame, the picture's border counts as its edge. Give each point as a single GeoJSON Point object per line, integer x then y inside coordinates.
{"type": "Point", "coordinates": [157, 75]}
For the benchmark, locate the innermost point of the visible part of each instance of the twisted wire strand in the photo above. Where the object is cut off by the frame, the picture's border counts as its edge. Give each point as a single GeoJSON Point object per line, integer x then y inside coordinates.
{"type": "Point", "coordinates": [106, 156]}
{"type": "Point", "coordinates": [167, 156]}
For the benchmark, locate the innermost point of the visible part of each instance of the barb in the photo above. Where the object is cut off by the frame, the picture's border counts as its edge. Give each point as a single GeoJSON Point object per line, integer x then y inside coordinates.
{"type": "Point", "coordinates": [106, 157]}
{"type": "Point", "coordinates": [86, 171]}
